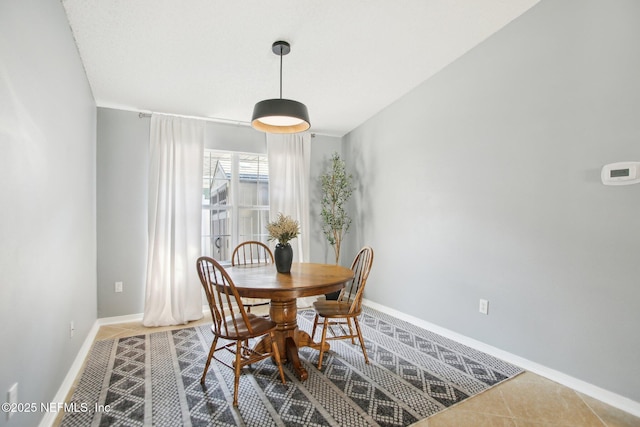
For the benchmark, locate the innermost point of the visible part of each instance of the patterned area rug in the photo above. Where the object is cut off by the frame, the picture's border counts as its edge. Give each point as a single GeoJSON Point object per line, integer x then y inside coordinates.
{"type": "Point", "coordinates": [154, 380]}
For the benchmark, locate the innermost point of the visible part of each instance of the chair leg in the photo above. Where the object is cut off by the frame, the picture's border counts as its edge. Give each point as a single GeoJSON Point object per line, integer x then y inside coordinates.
{"type": "Point", "coordinates": [315, 324]}
{"type": "Point", "coordinates": [238, 367]}
{"type": "Point", "coordinates": [364, 350]}
{"type": "Point", "coordinates": [353, 341]}
{"type": "Point", "coordinates": [324, 338]}
{"type": "Point", "coordinates": [206, 366]}
{"type": "Point", "coordinates": [276, 355]}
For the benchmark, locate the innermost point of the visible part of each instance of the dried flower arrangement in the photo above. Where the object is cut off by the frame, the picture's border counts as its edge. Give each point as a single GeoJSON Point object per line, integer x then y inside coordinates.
{"type": "Point", "coordinates": [283, 229]}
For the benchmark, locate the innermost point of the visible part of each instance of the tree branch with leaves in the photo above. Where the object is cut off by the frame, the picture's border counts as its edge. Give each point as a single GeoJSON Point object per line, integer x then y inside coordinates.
{"type": "Point", "coordinates": [337, 188]}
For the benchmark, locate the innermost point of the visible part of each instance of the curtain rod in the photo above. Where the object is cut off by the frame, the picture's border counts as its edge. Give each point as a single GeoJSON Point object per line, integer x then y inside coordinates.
{"type": "Point", "coordinates": [142, 115]}
{"type": "Point", "coordinates": [210, 119]}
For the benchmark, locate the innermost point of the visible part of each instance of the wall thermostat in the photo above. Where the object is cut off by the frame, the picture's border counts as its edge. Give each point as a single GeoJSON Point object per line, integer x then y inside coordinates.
{"type": "Point", "coordinates": [621, 173]}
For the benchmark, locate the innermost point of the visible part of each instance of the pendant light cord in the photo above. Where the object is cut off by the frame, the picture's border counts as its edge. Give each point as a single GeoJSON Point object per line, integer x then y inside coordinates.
{"type": "Point", "coordinates": [280, 72]}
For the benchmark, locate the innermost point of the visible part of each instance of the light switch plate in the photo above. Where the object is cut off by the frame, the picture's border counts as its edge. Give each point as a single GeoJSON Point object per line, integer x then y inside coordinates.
{"type": "Point", "coordinates": [484, 306]}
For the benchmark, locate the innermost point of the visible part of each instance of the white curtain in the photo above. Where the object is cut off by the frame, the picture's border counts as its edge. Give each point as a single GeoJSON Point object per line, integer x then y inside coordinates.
{"type": "Point", "coordinates": [173, 291]}
{"type": "Point", "coordinates": [289, 165]}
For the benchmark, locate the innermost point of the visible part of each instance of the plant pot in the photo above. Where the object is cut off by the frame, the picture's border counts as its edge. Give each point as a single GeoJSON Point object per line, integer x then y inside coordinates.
{"type": "Point", "coordinates": [332, 296]}
{"type": "Point", "coordinates": [283, 257]}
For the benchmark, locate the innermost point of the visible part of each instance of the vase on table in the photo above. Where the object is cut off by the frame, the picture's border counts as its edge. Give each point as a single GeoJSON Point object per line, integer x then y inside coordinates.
{"type": "Point", "coordinates": [283, 257]}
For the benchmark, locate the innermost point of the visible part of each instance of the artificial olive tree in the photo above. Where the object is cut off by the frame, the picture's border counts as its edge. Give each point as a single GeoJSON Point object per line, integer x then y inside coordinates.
{"type": "Point", "coordinates": [336, 191]}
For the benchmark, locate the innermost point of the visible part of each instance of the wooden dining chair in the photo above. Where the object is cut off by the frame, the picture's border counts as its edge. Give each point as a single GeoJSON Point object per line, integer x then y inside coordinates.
{"type": "Point", "coordinates": [346, 308]}
{"type": "Point", "coordinates": [252, 253]}
{"type": "Point", "coordinates": [232, 323]}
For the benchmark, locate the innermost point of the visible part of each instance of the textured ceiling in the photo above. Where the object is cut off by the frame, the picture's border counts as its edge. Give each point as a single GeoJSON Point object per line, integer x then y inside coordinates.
{"type": "Point", "coordinates": [211, 58]}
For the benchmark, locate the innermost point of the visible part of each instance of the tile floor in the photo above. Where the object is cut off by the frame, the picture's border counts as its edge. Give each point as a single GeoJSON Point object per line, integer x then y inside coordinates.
{"type": "Point", "coordinates": [527, 400]}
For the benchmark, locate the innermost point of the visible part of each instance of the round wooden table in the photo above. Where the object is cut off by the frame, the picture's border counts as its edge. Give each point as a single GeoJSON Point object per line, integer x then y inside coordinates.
{"type": "Point", "coordinates": [305, 279]}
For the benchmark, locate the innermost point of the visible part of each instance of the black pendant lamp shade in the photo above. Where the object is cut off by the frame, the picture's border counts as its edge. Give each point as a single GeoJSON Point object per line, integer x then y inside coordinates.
{"type": "Point", "coordinates": [280, 115]}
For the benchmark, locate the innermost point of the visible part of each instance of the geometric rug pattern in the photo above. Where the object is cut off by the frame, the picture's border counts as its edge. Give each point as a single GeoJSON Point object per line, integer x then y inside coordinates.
{"type": "Point", "coordinates": [154, 380]}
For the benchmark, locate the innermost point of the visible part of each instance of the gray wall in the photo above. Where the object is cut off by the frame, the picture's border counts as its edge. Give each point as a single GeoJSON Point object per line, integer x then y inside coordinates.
{"type": "Point", "coordinates": [123, 140]}
{"type": "Point", "coordinates": [122, 170]}
{"type": "Point", "coordinates": [491, 189]}
{"type": "Point", "coordinates": [47, 202]}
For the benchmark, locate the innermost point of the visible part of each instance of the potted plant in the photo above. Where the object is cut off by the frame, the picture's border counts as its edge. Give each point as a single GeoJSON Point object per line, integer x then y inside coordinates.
{"type": "Point", "coordinates": [336, 190]}
{"type": "Point", "coordinates": [283, 229]}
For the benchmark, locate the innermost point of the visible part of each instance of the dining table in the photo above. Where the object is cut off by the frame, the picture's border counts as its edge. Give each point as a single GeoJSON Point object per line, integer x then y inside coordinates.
{"type": "Point", "coordinates": [283, 289]}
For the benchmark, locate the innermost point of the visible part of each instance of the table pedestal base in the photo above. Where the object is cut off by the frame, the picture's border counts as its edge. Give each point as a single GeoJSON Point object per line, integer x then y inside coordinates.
{"type": "Point", "coordinates": [288, 337]}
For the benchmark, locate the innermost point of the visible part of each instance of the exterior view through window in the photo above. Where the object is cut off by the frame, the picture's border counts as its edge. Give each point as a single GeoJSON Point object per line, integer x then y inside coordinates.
{"type": "Point", "coordinates": [235, 201]}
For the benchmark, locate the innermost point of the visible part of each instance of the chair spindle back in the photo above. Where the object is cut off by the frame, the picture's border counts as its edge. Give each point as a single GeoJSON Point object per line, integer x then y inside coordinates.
{"type": "Point", "coordinates": [223, 298]}
{"type": "Point", "coordinates": [251, 252]}
{"type": "Point", "coordinates": [361, 267]}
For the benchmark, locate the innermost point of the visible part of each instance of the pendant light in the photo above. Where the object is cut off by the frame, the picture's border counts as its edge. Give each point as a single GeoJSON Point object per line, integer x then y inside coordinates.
{"type": "Point", "coordinates": [280, 115]}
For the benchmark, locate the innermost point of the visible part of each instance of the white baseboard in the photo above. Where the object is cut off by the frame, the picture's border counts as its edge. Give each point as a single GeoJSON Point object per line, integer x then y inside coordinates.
{"type": "Point", "coordinates": [133, 318]}
{"type": "Point", "coordinates": [120, 319]}
{"type": "Point", "coordinates": [76, 367]}
{"type": "Point", "coordinates": [606, 396]}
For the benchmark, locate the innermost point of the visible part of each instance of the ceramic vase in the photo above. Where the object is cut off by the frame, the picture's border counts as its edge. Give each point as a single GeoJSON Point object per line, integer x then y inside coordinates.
{"type": "Point", "coordinates": [283, 257]}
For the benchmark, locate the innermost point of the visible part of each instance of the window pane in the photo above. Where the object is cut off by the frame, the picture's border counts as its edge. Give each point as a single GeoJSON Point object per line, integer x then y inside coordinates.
{"type": "Point", "coordinates": [254, 180]}
{"type": "Point", "coordinates": [216, 236]}
{"type": "Point", "coordinates": [252, 224]}
{"type": "Point", "coordinates": [263, 193]}
{"type": "Point", "coordinates": [216, 177]}
{"type": "Point", "coordinates": [235, 201]}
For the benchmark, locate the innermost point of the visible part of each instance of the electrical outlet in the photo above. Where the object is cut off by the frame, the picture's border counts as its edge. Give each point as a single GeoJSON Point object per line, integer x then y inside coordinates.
{"type": "Point", "coordinates": [484, 306]}
{"type": "Point", "coordinates": [118, 286]}
{"type": "Point", "coordinates": [72, 328]}
{"type": "Point", "coordinates": [12, 399]}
